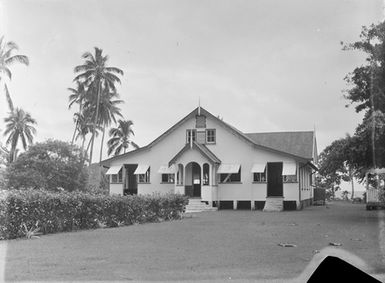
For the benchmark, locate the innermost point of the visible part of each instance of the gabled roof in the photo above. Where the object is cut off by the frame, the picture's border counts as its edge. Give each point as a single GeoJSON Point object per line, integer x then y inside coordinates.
{"type": "Point", "coordinates": [253, 139]}
{"type": "Point", "coordinates": [201, 148]}
{"type": "Point", "coordinates": [296, 143]}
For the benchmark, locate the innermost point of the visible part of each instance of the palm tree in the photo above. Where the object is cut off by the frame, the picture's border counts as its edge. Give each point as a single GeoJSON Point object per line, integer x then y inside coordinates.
{"type": "Point", "coordinates": [108, 110]}
{"type": "Point", "coordinates": [77, 95]}
{"type": "Point", "coordinates": [95, 74]}
{"type": "Point", "coordinates": [19, 125]}
{"type": "Point", "coordinates": [6, 60]}
{"type": "Point", "coordinates": [120, 137]}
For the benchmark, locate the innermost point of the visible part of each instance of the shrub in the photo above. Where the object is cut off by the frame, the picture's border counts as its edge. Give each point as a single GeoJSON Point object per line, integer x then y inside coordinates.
{"type": "Point", "coordinates": [51, 165]}
{"type": "Point", "coordinates": [51, 212]}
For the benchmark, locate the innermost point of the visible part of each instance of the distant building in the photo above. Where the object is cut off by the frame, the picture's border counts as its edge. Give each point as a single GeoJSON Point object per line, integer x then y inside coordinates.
{"type": "Point", "coordinates": [205, 158]}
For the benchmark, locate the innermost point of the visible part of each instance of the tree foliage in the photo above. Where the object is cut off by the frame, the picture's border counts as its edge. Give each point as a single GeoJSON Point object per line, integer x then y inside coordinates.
{"type": "Point", "coordinates": [19, 127]}
{"type": "Point", "coordinates": [97, 81]}
{"type": "Point", "coordinates": [367, 93]}
{"type": "Point", "coordinates": [120, 138]}
{"type": "Point", "coordinates": [51, 165]}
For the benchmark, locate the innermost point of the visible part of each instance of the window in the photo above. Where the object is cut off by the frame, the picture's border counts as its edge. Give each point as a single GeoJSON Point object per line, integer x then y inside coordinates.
{"type": "Point", "coordinates": [290, 178]}
{"type": "Point", "coordinates": [168, 178]}
{"type": "Point", "coordinates": [144, 178]}
{"type": "Point", "coordinates": [210, 136]}
{"type": "Point", "coordinates": [260, 177]}
{"type": "Point", "coordinates": [231, 178]}
{"type": "Point", "coordinates": [117, 178]}
{"type": "Point", "coordinates": [206, 172]}
{"type": "Point", "coordinates": [191, 134]}
{"type": "Point", "coordinates": [179, 175]}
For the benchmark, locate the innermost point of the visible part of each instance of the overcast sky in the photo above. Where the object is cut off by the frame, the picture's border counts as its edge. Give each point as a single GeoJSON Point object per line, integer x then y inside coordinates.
{"type": "Point", "coordinates": [261, 65]}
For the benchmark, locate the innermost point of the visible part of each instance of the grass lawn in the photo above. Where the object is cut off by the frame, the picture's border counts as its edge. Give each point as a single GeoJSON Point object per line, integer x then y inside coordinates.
{"type": "Point", "coordinates": [219, 245]}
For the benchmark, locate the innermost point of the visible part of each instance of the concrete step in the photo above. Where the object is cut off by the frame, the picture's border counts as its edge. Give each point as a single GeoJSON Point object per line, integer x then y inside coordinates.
{"type": "Point", "coordinates": [273, 204]}
{"type": "Point", "coordinates": [196, 205]}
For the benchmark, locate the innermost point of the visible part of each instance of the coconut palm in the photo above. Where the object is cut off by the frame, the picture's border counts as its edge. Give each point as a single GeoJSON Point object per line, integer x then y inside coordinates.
{"type": "Point", "coordinates": [19, 126]}
{"type": "Point", "coordinates": [95, 74]}
{"type": "Point", "coordinates": [120, 137]}
{"type": "Point", "coordinates": [7, 58]}
{"type": "Point", "coordinates": [78, 95]}
{"type": "Point", "coordinates": [108, 110]}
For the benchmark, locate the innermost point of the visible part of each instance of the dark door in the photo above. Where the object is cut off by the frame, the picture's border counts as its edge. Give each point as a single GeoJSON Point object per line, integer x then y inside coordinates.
{"type": "Point", "coordinates": [196, 179]}
{"type": "Point", "coordinates": [274, 179]}
{"type": "Point", "coordinates": [131, 184]}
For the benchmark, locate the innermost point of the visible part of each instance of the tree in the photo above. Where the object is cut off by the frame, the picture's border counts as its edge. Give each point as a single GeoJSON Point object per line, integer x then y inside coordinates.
{"type": "Point", "coordinates": [121, 138]}
{"type": "Point", "coordinates": [108, 110]}
{"type": "Point", "coordinates": [77, 95]}
{"type": "Point", "coordinates": [19, 126]}
{"type": "Point", "coordinates": [50, 165]}
{"type": "Point", "coordinates": [332, 164]}
{"type": "Point", "coordinates": [7, 58]}
{"type": "Point", "coordinates": [367, 93]}
{"type": "Point", "coordinates": [95, 74]}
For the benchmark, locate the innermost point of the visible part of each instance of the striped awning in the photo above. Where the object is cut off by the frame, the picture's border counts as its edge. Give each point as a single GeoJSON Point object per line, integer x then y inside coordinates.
{"type": "Point", "coordinates": [258, 168]}
{"type": "Point", "coordinates": [141, 169]}
{"type": "Point", "coordinates": [164, 169]}
{"type": "Point", "coordinates": [228, 168]}
{"type": "Point", "coordinates": [114, 170]}
{"type": "Point", "coordinates": [289, 168]}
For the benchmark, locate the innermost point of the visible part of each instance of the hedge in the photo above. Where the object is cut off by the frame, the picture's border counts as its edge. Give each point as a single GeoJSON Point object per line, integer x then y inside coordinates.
{"type": "Point", "coordinates": [49, 212]}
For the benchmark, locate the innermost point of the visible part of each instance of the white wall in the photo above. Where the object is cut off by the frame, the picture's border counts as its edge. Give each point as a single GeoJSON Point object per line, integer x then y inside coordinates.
{"type": "Point", "coordinates": [116, 189]}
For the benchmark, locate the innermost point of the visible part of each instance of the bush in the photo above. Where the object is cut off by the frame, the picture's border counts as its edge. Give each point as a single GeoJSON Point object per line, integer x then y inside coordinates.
{"type": "Point", "coordinates": [48, 212]}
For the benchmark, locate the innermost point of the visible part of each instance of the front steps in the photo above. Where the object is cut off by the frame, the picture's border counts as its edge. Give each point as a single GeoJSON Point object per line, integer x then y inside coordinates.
{"type": "Point", "coordinates": [196, 205]}
{"type": "Point", "coordinates": [273, 204]}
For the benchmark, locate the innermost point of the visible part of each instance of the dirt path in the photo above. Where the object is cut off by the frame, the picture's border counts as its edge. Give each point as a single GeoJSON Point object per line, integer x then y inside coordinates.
{"type": "Point", "coordinates": [241, 245]}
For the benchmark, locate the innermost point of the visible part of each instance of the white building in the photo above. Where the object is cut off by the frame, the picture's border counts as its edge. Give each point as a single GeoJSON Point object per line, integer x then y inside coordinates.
{"type": "Point", "coordinates": [203, 157]}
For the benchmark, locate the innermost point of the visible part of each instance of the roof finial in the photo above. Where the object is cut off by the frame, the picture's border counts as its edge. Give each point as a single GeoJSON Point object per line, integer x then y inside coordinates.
{"type": "Point", "coordinates": [199, 106]}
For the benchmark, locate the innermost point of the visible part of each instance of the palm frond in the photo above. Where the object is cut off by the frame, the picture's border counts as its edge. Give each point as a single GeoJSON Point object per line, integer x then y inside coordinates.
{"type": "Point", "coordinates": [17, 58]}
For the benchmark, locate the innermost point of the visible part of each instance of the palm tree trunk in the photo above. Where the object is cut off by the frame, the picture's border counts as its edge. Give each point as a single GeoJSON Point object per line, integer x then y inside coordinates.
{"type": "Point", "coordinates": [101, 145]}
{"type": "Point", "coordinates": [73, 136]}
{"type": "Point", "coordinates": [95, 121]}
{"type": "Point", "coordinates": [352, 182]}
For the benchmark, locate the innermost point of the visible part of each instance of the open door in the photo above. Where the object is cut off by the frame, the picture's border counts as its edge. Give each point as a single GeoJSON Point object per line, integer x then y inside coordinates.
{"type": "Point", "coordinates": [130, 183]}
{"type": "Point", "coordinates": [274, 179]}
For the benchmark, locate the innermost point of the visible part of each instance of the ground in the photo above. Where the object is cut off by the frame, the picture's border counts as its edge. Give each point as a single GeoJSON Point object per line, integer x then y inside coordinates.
{"type": "Point", "coordinates": [236, 245]}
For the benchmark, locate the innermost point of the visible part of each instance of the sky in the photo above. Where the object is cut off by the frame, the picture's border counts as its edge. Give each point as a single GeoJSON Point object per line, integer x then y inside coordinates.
{"type": "Point", "coordinates": [261, 65]}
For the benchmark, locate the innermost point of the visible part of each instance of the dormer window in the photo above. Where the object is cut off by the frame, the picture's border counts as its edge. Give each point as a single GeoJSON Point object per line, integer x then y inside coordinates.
{"type": "Point", "coordinates": [210, 136]}
{"type": "Point", "coordinates": [191, 134]}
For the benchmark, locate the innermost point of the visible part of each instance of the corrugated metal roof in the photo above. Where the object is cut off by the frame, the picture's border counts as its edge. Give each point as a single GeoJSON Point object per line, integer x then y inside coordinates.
{"type": "Point", "coordinates": [296, 143]}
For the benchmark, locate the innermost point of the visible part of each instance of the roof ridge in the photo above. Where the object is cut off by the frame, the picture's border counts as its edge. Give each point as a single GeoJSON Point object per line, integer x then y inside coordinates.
{"type": "Point", "coordinates": [280, 132]}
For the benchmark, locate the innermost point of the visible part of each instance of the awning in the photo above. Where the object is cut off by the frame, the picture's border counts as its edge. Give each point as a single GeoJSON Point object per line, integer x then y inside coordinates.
{"type": "Point", "coordinates": [228, 168]}
{"type": "Point", "coordinates": [141, 169]}
{"type": "Point", "coordinates": [164, 169]}
{"type": "Point", "coordinates": [258, 168]}
{"type": "Point", "coordinates": [289, 168]}
{"type": "Point", "coordinates": [114, 170]}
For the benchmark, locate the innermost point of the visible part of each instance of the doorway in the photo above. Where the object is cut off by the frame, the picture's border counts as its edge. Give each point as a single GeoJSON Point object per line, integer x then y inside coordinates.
{"type": "Point", "coordinates": [193, 180]}
{"type": "Point", "coordinates": [274, 179]}
{"type": "Point", "coordinates": [130, 182]}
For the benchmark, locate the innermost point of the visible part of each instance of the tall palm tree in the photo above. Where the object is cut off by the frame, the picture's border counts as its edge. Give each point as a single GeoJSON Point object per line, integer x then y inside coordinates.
{"type": "Point", "coordinates": [19, 125]}
{"type": "Point", "coordinates": [78, 95]}
{"type": "Point", "coordinates": [108, 110]}
{"type": "Point", "coordinates": [97, 76]}
{"type": "Point", "coordinates": [7, 58]}
{"type": "Point", "coordinates": [120, 137]}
